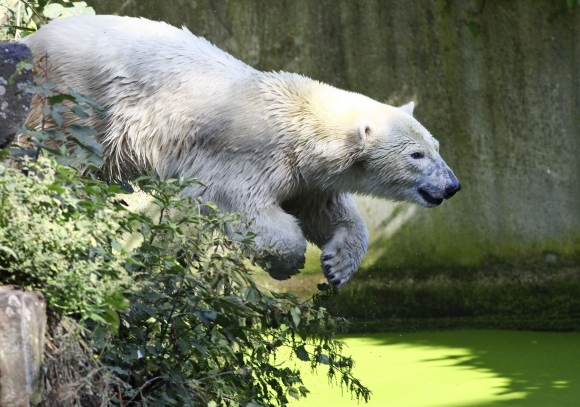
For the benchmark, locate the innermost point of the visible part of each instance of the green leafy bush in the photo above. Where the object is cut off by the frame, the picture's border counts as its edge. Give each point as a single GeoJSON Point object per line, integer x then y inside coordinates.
{"type": "Point", "coordinates": [59, 230]}
{"type": "Point", "coordinates": [57, 235]}
{"type": "Point", "coordinates": [199, 331]}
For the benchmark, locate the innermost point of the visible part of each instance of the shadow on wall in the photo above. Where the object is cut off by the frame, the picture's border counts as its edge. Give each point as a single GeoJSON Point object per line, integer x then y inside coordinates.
{"type": "Point", "coordinates": [384, 219]}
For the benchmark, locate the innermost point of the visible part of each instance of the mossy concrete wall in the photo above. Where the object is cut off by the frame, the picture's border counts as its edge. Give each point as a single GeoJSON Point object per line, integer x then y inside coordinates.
{"type": "Point", "coordinates": [495, 81]}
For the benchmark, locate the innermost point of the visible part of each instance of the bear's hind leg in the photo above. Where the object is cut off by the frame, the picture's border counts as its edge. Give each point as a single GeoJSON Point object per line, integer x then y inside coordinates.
{"type": "Point", "coordinates": [280, 231]}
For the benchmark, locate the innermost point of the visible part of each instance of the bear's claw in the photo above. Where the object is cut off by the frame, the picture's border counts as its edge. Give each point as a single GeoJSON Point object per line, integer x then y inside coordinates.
{"type": "Point", "coordinates": [327, 269]}
{"type": "Point", "coordinates": [338, 268]}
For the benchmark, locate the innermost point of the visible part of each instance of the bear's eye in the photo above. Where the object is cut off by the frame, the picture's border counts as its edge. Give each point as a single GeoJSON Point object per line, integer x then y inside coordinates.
{"type": "Point", "coordinates": [417, 156]}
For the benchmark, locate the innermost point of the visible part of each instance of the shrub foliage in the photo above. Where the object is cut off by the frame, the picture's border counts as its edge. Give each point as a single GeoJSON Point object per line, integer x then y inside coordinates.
{"type": "Point", "coordinates": [199, 331]}
{"type": "Point", "coordinates": [54, 238]}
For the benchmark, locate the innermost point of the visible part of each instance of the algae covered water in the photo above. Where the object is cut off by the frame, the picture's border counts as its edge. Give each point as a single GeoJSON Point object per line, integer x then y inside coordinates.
{"type": "Point", "coordinates": [470, 368]}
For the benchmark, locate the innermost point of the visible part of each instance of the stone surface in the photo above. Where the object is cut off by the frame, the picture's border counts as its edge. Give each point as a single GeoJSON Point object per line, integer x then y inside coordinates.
{"type": "Point", "coordinates": [22, 328]}
{"type": "Point", "coordinates": [496, 82]}
{"type": "Point", "coordinates": [13, 107]}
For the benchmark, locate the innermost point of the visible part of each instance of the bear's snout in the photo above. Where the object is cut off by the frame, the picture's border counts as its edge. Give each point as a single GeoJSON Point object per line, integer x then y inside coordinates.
{"type": "Point", "coordinates": [439, 184]}
{"type": "Point", "coordinates": [452, 187]}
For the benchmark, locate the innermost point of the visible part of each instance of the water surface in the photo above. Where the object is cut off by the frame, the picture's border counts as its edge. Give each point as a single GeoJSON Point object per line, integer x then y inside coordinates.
{"type": "Point", "coordinates": [471, 368]}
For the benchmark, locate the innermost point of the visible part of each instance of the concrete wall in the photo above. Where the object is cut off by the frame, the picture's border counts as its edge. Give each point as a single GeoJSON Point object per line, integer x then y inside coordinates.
{"type": "Point", "coordinates": [495, 81]}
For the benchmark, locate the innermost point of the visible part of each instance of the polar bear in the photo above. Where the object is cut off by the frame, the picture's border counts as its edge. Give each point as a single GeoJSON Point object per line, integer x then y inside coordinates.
{"type": "Point", "coordinates": [285, 150]}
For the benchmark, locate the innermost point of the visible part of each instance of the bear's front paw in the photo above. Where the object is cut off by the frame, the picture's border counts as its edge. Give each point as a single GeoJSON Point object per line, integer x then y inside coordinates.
{"type": "Point", "coordinates": [338, 264]}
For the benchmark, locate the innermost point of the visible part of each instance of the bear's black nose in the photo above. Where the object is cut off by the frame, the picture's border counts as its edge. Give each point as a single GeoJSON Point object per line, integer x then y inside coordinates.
{"type": "Point", "coordinates": [451, 188]}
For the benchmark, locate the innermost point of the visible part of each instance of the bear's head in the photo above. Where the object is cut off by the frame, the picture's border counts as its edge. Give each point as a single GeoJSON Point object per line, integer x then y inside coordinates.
{"type": "Point", "coordinates": [399, 159]}
{"type": "Point", "coordinates": [353, 143]}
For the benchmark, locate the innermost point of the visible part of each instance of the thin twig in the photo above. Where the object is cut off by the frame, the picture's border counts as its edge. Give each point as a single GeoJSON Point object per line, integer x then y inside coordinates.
{"type": "Point", "coordinates": [138, 391]}
{"type": "Point", "coordinates": [18, 20]}
{"type": "Point", "coordinates": [216, 375]}
{"type": "Point", "coordinates": [153, 234]}
{"type": "Point", "coordinates": [120, 397]}
{"type": "Point", "coordinates": [33, 9]}
{"type": "Point", "coordinates": [165, 324]}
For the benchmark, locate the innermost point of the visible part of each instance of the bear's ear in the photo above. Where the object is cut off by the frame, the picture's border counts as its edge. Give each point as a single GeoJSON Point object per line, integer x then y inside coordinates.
{"type": "Point", "coordinates": [408, 108]}
{"type": "Point", "coordinates": [363, 131]}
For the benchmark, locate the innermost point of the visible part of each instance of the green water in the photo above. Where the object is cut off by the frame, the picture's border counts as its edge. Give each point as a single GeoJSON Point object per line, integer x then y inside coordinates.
{"type": "Point", "coordinates": [460, 369]}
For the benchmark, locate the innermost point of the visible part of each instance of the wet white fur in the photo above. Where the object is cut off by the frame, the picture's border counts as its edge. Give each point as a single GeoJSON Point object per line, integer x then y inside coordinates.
{"type": "Point", "coordinates": [179, 106]}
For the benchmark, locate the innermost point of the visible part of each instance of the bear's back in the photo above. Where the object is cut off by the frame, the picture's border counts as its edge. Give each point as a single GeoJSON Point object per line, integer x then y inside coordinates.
{"type": "Point", "coordinates": [128, 46]}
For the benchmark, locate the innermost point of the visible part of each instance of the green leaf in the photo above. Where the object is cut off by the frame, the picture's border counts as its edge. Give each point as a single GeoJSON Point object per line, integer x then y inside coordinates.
{"type": "Point", "coordinates": [42, 4]}
{"type": "Point", "coordinates": [115, 189]}
{"type": "Point", "coordinates": [96, 160]}
{"type": "Point", "coordinates": [56, 188]}
{"type": "Point", "coordinates": [148, 310]}
{"type": "Point", "coordinates": [79, 111]}
{"type": "Point", "coordinates": [57, 117]}
{"type": "Point", "coordinates": [112, 318]}
{"type": "Point", "coordinates": [97, 318]}
{"type": "Point", "coordinates": [53, 10]}
{"type": "Point", "coordinates": [80, 8]}
{"type": "Point", "coordinates": [294, 393]}
{"type": "Point", "coordinates": [117, 370]}
{"type": "Point", "coordinates": [55, 135]}
{"type": "Point", "coordinates": [283, 296]}
{"type": "Point", "coordinates": [94, 190]}
{"type": "Point", "coordinates": [9, 251]}
{"type": "Point", "coordinates": [118, 302]}
{"type": "Point", "coordinates": [200, 348]}
{"type": "Point", "coordinates": [302, 354]}
{"type": "Point", "coordinates": [118, 247]}
{"type": "Point", "coordinates": [86, 137]}
{"type": "Point", "coordinates": [212, 206]}
{"type": "Point", "coordinates": [206, 316]}
{"type": "Point", "coordinates": [89, 101]}
{"type": "Point", "coordinates": [324, 359]}
{"type": "Point", "coordinates": [295, 312]}
{"type": "Point", "coordinates": [252, 295]}
{"type": "Point", "coordinates": [45, 89]}
{"type": "Point", "coordinates": [57, 99]}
